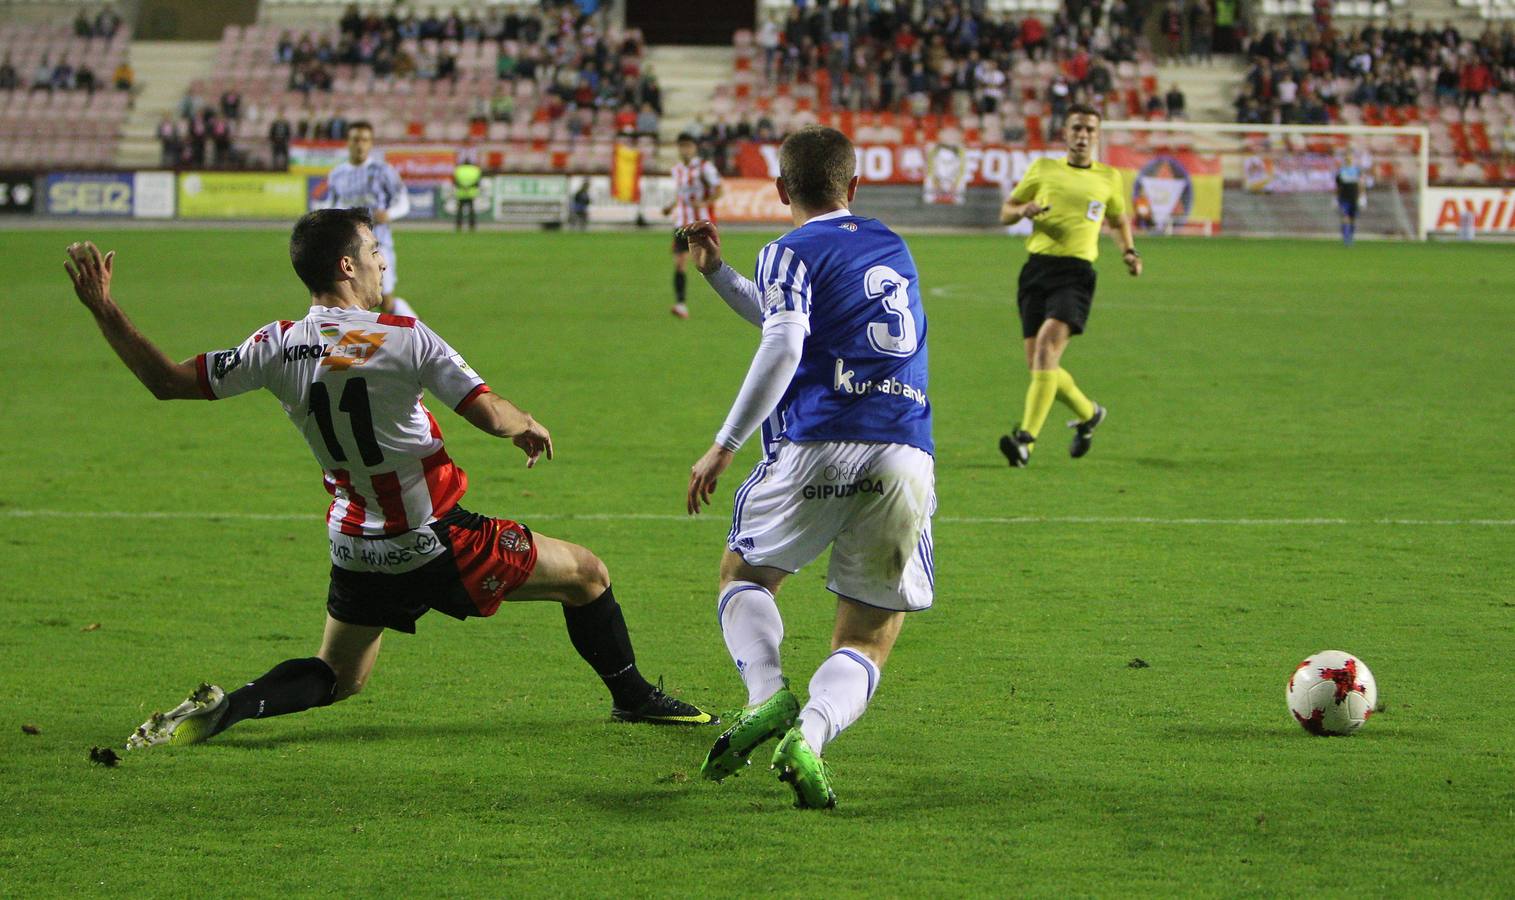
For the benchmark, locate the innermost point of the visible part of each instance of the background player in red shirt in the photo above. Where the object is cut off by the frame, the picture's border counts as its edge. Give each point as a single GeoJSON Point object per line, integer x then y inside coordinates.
{"type": "Point", "coordinates": [696, 185]}
{"type": "Point", "coordinates": [350, 379]}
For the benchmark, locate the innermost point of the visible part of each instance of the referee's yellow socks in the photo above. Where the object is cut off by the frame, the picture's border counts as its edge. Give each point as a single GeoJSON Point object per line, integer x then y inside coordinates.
{"type": "Point", "coordinates": [1068, 392]}
{"type": "Point", "coordinates": [1039, 397]}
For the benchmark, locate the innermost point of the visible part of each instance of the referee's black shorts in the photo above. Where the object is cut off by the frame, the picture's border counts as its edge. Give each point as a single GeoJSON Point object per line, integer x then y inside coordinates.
{"type": "Point", "coordinates": [1055, 287]}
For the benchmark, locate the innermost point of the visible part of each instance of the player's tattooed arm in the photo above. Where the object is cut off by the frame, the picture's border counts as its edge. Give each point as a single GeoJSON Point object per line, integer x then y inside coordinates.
{"type": "Point", "coordinates": [91, 274]}
{"type": "Point", "coordinates": [495, 415]}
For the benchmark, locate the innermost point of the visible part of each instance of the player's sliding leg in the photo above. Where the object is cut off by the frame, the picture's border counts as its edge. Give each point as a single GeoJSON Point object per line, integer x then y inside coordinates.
{"type": "Point", "coordinates": [1089, 414]}
{"type": "Point", "coordinates": [839, 693]}
{"type": "Point", "coordinates": [753, 630]}
{"type": "Point", "coordinates": [575, 577]}
{"type": "Point", "coordinates": [295, 685]}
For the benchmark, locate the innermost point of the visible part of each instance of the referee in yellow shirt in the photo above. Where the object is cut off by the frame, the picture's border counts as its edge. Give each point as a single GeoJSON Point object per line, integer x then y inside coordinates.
{"type": "Point", "coordinates": [1067, 200]}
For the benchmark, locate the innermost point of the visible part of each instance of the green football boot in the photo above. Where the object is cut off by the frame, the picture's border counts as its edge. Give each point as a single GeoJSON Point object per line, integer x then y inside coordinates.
{"type": "Point", "coordinates": [752, 727]}
{"type": "Point", "coordinates": [804, 771]}
{"type": "Point", "coordinates": [190, 722]}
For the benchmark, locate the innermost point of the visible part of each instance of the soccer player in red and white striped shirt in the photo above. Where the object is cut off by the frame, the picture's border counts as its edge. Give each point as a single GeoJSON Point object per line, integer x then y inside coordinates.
{"type": "Point", "coordinates": [350, 380]}
{"type": "Point", "coordinates": [696, 185]}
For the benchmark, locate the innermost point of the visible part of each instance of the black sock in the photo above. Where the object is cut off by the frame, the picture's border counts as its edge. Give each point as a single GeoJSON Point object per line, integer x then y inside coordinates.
{"type": "Point", "coordinates": [291, 686]}
{"type": "Point", "coordinates": [598, 632]}
{"type": "Point", "coordinates": [679, 280]}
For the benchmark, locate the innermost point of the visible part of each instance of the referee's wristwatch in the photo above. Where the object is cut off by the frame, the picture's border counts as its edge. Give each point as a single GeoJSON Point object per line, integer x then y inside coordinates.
{"type": "Point", "coordinates": [1130, 251]}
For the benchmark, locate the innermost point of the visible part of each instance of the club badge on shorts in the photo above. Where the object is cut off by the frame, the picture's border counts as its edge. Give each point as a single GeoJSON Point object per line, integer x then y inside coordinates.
{"type": "Point", "coordinates": [514, 540]}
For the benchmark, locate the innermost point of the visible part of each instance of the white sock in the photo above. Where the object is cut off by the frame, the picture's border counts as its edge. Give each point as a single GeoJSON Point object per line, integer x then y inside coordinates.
{"type": "Point", "coordinates": [404, 309]}
{"type": "Point", "coordinates": [753, 629]}
{"type": "Point", "coordinates": [839, 692]}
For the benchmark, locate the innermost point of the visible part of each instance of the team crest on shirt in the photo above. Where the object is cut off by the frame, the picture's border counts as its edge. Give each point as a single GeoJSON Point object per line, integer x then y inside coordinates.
{"type": "Point", "coordinates": [355, 348]}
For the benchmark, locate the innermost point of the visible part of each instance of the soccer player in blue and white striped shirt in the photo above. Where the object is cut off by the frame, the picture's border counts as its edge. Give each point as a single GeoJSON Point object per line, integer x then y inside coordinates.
{"type": "Point", "coordinates": [366, 180]}
{"type": "Point", "coordinates": [839, 387]}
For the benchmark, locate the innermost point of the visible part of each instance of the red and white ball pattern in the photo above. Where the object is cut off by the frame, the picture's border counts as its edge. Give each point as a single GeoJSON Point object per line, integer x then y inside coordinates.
{"type": "Point", "coordinates": [1332, 693]}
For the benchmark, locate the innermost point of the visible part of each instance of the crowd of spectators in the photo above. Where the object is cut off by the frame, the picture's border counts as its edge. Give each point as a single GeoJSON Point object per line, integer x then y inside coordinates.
{"type": "Point", "coordinates": [1303, 73]}
{"type": "Point", "coordinates": [201, 136]}
{"type": "Point", "coordinates": [559, 47]}
{"type": "Point", "coordinates": [951, 58]}
{"type": "Point", "coordinates": [62, 75]}
{"type": "Point", "coordinates": [104, 24]}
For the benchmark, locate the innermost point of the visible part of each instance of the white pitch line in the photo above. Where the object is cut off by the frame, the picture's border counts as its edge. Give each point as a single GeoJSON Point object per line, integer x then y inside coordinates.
{"type": "Point", "coordinates": [673, 517]}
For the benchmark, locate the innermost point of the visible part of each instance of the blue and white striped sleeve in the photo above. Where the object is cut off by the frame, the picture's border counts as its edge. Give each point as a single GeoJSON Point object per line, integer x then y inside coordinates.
{"type": "Point", "coordinates": [783, 281]}
{"type": "Point", "coordinates": [399, 197]}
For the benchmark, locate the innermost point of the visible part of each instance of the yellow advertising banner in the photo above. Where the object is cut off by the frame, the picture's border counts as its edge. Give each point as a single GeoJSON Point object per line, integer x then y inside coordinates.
{"type": "Point", "coordinates": [241, 195]}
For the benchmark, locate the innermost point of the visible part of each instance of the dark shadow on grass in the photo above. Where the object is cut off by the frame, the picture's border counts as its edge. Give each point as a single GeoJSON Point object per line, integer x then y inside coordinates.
{"type": "Point", "coordinates": [514, 730]}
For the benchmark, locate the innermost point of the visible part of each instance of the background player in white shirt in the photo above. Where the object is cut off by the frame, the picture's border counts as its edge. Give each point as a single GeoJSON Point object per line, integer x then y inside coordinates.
{"type": "Point", "coordinates": [696, 185]}
{"type": "Point", "coordinates": [350, 380]}
{"type": "Point", "coordinates": [839, 384]}
{"type": "Point", "coordinates": [367, 181]}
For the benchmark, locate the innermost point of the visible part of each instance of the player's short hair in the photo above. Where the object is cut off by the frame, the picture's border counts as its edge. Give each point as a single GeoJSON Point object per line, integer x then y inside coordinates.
{"type": "Point", "coordinates": [319, 241]}
{"type": "Point", "coordinates": [1083, 109]}
{"type": "Point", "coordinates": [361, 123]}
{"type": "Point", "coordinates": [816, 164]}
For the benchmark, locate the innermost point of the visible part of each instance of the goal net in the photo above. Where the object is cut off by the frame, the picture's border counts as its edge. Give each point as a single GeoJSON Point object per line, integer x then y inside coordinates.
{"type": "Point", "coordinates": [1275, 180]}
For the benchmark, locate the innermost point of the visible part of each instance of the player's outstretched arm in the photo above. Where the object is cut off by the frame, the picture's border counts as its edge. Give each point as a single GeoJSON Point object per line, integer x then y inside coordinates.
{"type": "Point", "coordinates": [495, 415]}
{"type": "Point", "coordinates": [739, 292]}
{"type": "Point", "coordinates": [91, 274]}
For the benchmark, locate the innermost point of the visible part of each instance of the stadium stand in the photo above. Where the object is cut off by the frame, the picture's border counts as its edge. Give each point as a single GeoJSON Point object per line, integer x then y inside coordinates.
{"type": "Point", "coordinates": [1461, 88]}
{"type": "Point", "coordinates": [60, 103]}
{"type": "Point", "coordinates": [534, 91]}
{"type": "Point", "coordinates": [1005, 75]}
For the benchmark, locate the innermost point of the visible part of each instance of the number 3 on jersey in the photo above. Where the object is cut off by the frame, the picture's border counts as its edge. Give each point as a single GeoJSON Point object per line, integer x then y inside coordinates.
{"type": "Point", "coordinates": [355, 403]}
{"type": "Point", "coordinates": [894, 335]}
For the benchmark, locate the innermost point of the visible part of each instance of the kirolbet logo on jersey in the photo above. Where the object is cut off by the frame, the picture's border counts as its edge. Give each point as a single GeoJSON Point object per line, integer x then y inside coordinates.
{"type": "Point", "coordinates": [353, 348]}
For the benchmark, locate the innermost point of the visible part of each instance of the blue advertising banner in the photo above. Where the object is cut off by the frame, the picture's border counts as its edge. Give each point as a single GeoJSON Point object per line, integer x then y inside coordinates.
{"type": "Point", "coordinates": [89, 194]}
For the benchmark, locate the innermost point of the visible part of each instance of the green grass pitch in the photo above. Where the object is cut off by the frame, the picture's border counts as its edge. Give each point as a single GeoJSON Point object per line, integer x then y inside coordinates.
{"type": "Point", "coordinates": [1308, 448]}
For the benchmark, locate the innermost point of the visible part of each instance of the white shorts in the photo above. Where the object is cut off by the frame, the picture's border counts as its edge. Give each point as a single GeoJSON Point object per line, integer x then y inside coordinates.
{"type": "Point", "coordinates": [390, 276]}
{"type": "Point", "coordinates": [871, 503]}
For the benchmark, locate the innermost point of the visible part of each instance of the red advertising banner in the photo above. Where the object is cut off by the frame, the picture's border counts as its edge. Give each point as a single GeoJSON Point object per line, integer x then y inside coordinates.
{"type": "Point", "coordinates": [985, 165]}
{"type": "Point", "coordinates": [418, 166]}
{"type": "Point", "coordinates": [750, 200]}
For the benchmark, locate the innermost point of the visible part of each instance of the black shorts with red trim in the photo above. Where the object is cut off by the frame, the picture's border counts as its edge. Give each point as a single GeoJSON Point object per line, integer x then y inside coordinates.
{"type": "Point", "coordinates": [680, 241]}
{"type": "Point", "coordinates": [484, 561]}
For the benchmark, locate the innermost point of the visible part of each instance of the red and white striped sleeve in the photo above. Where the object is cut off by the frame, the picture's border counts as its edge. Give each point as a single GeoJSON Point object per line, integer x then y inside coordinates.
{"type": "Point", "coordinates": [444, 371]}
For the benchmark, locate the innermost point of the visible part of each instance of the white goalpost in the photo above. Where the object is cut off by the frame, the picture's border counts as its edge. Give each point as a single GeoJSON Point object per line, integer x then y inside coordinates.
{"type": "Point", "coordinates": [1271, 180]}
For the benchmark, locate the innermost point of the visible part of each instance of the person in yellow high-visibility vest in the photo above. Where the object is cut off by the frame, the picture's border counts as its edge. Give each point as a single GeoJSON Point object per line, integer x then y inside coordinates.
{"type": "Point", "coordinates": [465, 183]}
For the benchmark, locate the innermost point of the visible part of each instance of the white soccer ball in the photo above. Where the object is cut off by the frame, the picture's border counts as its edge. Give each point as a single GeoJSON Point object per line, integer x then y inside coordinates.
{"type": "Point", "coordinates": [1332, 693]}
